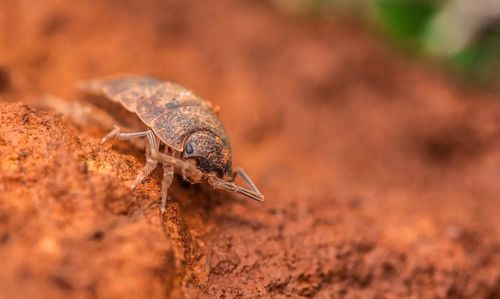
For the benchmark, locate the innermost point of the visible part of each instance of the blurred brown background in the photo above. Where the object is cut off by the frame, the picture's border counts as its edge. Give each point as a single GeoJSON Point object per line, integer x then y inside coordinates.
{"type": "Point", "coordinates": [381, 168]}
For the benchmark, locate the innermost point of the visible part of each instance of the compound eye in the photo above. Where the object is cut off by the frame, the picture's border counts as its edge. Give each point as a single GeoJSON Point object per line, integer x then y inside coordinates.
{"type": "Point", "coordinates": [189, 148]}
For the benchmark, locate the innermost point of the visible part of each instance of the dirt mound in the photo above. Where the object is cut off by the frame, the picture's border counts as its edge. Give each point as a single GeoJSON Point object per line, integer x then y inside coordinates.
{"type": "Point", "coordinates": [380, 175]}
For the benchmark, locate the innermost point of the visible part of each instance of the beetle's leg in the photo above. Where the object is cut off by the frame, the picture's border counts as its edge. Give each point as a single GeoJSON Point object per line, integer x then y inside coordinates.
{"type": "Point", "coordinates": [152, 145]}
{"type": "Point", "coordinates": [116, 133]}
{"type": "Point", "coordinates": [168, 176]}
{"type": "Point", "coordinates": [246, 178]}
{"type": "Point", "coordinates": [151, 164]}
{"type": "Point", "coordinates": [218, 183]}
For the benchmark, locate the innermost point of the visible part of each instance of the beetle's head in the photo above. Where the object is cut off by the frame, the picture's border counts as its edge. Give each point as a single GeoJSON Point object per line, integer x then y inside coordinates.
{"type": "Point", "coordinates": [210, 152]}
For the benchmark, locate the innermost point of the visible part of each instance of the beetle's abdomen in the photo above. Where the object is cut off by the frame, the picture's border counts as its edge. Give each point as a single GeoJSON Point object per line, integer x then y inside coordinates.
{"type": "Point", "coordinates": [170, 110]}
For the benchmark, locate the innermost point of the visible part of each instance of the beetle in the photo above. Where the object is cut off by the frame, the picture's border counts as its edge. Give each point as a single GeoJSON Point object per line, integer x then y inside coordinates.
{"type": "Point", "coordinates": [195, 140]}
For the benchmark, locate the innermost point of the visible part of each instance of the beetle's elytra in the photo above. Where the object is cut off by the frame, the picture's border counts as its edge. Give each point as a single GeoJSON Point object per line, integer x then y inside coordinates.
{"type": "Point", "coordinates": [195, 141]}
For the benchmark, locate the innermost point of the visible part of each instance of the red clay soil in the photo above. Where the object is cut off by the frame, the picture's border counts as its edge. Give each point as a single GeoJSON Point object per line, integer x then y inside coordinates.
{"type": "Point", "coordinates": [381, 175]}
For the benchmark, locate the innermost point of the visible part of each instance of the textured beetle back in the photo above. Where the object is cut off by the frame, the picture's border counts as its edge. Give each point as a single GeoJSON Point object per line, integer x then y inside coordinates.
{"type": "Point", "coordinates": [170, 110]}
{"type": "Point", "coordinates": [126, 91]}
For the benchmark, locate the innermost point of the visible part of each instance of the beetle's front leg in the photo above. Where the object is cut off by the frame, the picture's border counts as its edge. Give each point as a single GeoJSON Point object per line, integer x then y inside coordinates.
{"type": "Point", "coordinates": [168, 176]}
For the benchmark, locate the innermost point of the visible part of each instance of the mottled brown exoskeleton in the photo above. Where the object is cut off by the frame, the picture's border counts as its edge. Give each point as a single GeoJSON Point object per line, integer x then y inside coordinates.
{"type": "Point", "coordinates": [196, 142]}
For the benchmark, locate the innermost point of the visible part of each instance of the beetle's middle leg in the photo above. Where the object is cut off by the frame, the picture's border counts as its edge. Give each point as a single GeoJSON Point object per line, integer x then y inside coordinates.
{"type": "Point", "coordinates": [152, 145]}
{"type": "Point", "coordinates": [151, 164]}
{"type": "Point", "coordinates": [116, 133]}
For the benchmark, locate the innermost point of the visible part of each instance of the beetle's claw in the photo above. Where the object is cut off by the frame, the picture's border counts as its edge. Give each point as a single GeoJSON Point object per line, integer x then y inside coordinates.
{"type": "Point", "coordinates": [111, 134]}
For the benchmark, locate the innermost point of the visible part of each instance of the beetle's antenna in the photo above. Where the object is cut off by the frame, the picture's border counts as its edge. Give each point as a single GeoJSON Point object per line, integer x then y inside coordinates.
{"type": "Point", "coordinates": [246, 178]}
{"type": "Point", "coordinates": [232, 187]}
{"type": "Point", "coordinates": [213, 180]}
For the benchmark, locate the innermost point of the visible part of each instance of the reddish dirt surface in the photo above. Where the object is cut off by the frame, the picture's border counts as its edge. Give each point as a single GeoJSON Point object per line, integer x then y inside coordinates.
{"type": "Point", "coordinates": [381, 175]}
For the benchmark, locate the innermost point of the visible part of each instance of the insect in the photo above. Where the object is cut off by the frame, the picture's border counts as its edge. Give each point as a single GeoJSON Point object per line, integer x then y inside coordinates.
{"type": "Point", "coordinates": [195, 141]}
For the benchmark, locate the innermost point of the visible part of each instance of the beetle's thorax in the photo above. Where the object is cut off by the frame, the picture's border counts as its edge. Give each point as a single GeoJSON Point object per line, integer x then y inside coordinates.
{"type": "Point", "coordinates": [170, 110]}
